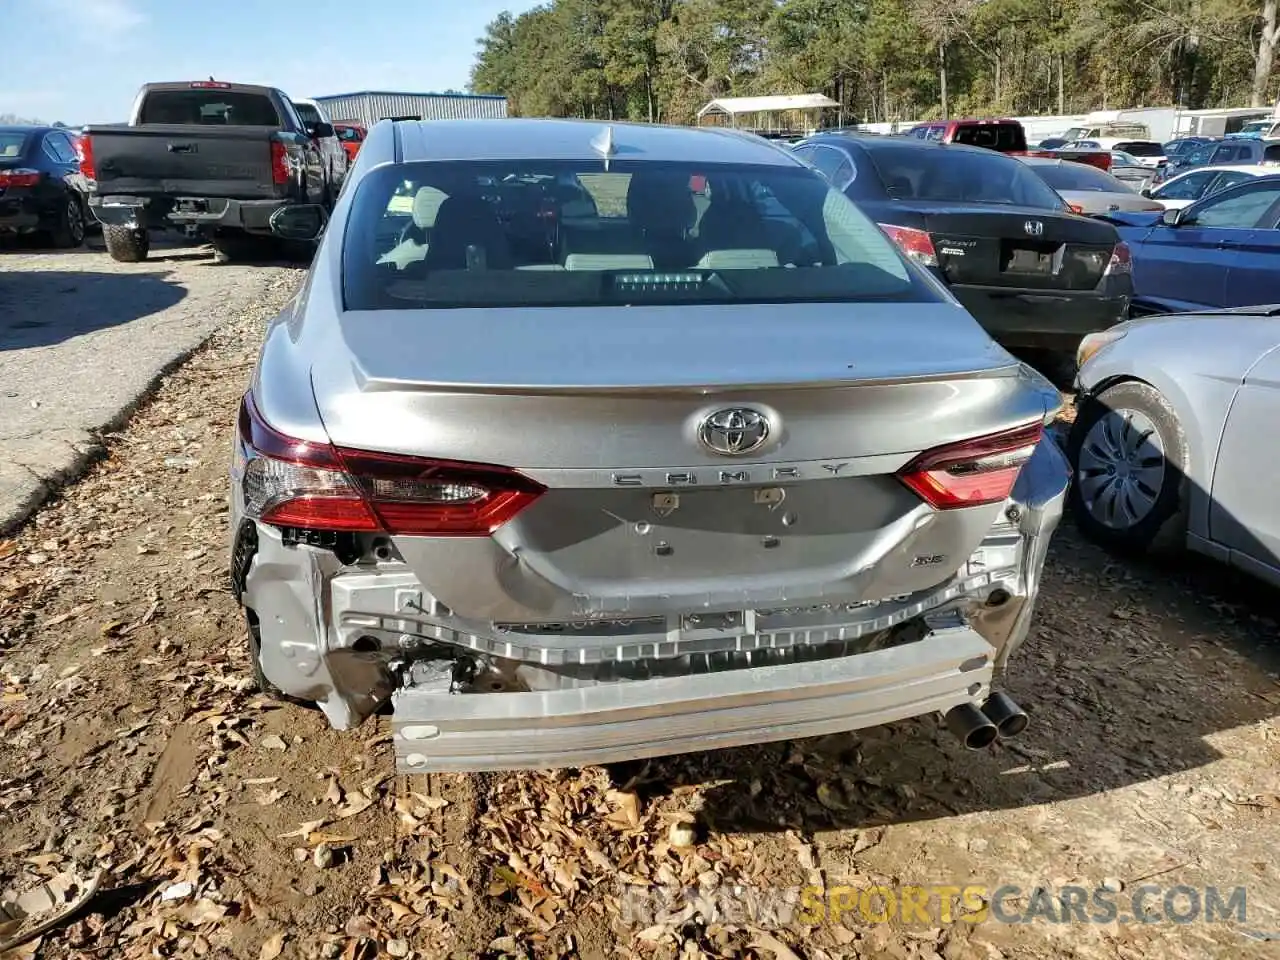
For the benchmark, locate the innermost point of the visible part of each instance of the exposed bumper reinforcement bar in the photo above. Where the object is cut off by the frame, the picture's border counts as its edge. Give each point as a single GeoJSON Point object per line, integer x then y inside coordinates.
{"type": "Point", "coordinates": [439, 732]}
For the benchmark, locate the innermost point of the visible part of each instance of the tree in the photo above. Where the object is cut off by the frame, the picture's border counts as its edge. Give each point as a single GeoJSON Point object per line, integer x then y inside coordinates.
{"type": "Point", "coordinates": [884, 60]}
{"type": "Point", "coordinates": [1264, 62]}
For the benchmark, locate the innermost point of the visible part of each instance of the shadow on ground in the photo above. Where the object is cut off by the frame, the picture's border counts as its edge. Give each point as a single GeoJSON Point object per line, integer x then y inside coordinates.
{"type": "Point", "coordinates": [43, 307]}
{"type": "Point", "coordinates": [1130, 666]}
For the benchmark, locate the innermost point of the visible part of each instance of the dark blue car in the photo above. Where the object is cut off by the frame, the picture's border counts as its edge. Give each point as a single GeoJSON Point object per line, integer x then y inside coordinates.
{"type": "Point", "coordinates": [41, 188]}
{"type": "Point", "coordinates": [1222, 251]}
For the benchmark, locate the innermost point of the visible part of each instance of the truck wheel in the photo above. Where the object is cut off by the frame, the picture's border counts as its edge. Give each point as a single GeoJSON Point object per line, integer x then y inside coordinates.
{"type": "Point", "coordinates": [126, 244]}
{"type": "Point", "coordinates": [69, 231]}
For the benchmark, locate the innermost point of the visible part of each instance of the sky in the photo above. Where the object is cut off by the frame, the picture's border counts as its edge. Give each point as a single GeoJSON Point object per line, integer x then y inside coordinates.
{"type": "Point", "coordinates": [82, 61]}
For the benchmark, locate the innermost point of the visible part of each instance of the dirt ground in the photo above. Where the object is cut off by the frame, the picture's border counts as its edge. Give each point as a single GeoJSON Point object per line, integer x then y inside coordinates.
{"type": "Point", "coordinates": [224, 824]}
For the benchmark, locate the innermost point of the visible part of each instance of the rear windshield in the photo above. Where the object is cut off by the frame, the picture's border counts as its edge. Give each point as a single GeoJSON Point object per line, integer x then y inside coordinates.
{"type": "Point", "coordinates": [550, 233]}
{"type": "Point", "coordinates": [1077, 176]}
{"type": "Point", "coordinates": [208, 107]}
{"type": "Point", "coordinates": [11, 144]}
{"type": "Point", "coordinates": [960, 176]}
{"type": "Point", "coordinates": [1141, 148]}
{"type": "Point", "coordinates": [994, 136]}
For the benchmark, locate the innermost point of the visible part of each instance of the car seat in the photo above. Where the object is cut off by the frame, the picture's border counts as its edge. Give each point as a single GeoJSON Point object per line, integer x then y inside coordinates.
{"type": "Point", "coordinates": [662, 211]}
{"type": "Point", "coordinates": [466, 221]}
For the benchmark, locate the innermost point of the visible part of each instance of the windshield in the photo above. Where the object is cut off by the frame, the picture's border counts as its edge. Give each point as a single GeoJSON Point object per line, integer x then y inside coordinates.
{"type": "Point", "coordinates": [1200, 154]}
{"type": "Point", "coordinates": [993, 136]}
{"type": "Point", "coordinates": [1074, 133]}
{"type": "Point", "coordinates": [962, 176]}
{"type": "Point", "coordinates": [1257, 126]}
{"type": "Point", "coordinates": [307, 113]}
{"type": "Point", "coordinates": [208, 107]}
{"type": "Point", "coordinates": [11, 144]}
{"type": "Point", "coordinates": [562, 233]}
{"type": "Point", "coordinates": [1140, 148]}
{"type": "Point", "coordinates": [1078, 176]}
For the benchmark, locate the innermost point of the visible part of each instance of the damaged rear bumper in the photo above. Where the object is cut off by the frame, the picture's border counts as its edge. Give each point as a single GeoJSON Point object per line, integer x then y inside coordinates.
{"type": "Point", "coordinates": [439, 732]}
{"type": "Point", "coordinates": [471, 696]}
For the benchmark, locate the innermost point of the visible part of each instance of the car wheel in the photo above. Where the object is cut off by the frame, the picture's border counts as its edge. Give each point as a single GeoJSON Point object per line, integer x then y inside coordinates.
{"type": "Point", "coordinates": [70, 229]}
{"type": "Point", "coordinates": [126, 244]}
{"type": "Point", "coordinates": [1129, 452]}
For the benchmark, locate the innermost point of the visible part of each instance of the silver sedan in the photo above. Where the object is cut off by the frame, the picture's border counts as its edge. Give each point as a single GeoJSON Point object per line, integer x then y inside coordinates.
{"type": "Point", "coordinates": [1087, 189]}
{"type": "Point", "coordinates": [584, 443]}
{"type": "Point", "coordinates": [1174, 439]}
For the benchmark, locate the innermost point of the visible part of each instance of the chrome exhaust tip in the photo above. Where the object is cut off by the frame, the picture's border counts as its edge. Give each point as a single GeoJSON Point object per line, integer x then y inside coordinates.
{"type": "Point", "coordinates": [1009, 718]}
{"type": "Point", "coordinates": [972, 726]}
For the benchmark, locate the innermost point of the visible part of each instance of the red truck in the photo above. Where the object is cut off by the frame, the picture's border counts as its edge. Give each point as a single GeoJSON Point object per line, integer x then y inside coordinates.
{"type": "Point", "coordinates": [1003, 135]}
{"type": "Point", "coordinates": [351, 134]}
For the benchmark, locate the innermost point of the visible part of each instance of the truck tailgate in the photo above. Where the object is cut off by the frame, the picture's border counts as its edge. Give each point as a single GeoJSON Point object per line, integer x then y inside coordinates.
{"type": "Point", "coordinates": [185, 160]}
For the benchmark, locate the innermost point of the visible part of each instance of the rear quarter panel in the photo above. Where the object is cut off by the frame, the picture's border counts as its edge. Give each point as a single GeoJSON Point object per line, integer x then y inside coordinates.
{"type": "Point", "coordinates": [1197, 363]}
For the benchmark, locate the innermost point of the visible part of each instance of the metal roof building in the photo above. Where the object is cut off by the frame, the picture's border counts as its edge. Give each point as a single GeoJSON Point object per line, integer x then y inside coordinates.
{"type": "Point", "coordinates": [370, 106]}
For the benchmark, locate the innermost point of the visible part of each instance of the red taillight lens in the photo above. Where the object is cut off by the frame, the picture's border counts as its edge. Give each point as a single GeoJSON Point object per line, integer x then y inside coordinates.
{"type": "Point", "coordinates": [972, 473]}
{"type": "Point", "coordinates": [21, 177]}
{"type": "Point", "coordinates": [294, 483]}
{"type": "Point", "coordinates": [1076, 208]}
{"type": "Point", "coordinates": [1121, 260]}
{"type": "Point", "coordinates": [916, 244]}
{"type": "Point", "coordinates": [84, 147]}
{"type": "Point", "coordinates": [279, 163]}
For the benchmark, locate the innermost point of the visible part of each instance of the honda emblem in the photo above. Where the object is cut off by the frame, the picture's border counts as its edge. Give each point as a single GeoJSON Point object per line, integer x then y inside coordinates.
{"type": "Point", "coordinates": [1034, 228]}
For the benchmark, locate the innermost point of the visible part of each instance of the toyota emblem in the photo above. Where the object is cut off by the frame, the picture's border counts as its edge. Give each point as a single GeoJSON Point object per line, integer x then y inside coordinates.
{"type": "Point", "coordinates": [1034, 228]}
{"type": "Point", "coordinates": [734, 431]}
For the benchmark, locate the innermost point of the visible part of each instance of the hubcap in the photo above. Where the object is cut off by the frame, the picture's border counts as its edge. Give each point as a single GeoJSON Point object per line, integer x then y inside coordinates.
{"type": "Point", "coordinates": [1121, 468]}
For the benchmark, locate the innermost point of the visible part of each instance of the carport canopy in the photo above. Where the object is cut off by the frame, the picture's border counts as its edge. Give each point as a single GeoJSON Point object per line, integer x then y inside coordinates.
{"type": "Point", "coordinates": [733, 107]}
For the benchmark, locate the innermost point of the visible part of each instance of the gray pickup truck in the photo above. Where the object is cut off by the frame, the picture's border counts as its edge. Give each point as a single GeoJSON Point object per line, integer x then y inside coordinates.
{"type": "Point", "coordinates": [212, 159]}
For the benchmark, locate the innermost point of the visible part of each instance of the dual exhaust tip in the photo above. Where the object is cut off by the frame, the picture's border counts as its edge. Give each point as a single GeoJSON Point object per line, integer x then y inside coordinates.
{"type": "Point", "coordinates": [998, 719]}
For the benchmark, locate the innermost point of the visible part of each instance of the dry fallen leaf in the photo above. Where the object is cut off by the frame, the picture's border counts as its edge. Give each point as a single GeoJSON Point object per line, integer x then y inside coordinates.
{"type": "Point", "coordinates": [272, 947]}
{"type": "Point", "coordinates": [334, 793]}
{"type": "Point", "coordinates": [626, 815]}
{"type": "Point", "coordinates": [268, 797]}
{"type": "Point", "coordinates": [203, 911]}
{"type": "Point", "coordinates": [271, 742]}
{"type": "Point", "coordinates": [357, 802]}
{"type": "Point", "coordinates": [780, 950]}
{"type": "Point", "coordinates": [309, 827]}
{"type": "Point", "coordinates": [829, 796]}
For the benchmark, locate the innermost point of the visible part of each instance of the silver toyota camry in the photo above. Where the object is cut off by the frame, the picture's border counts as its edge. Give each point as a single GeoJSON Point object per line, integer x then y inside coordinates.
{"type": "Point", "coordinates": [586, 443]}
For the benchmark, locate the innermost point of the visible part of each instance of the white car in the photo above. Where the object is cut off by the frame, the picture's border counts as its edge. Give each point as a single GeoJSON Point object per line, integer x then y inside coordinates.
{"type": "Point", "coordinates": [1148, 153]}
{"type": "Point", "coordinates": [1186, 188]}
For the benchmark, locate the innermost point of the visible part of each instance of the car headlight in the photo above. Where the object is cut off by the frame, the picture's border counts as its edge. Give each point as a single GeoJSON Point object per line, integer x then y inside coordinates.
{"type": "Point", "coordinates": [1093, 342]}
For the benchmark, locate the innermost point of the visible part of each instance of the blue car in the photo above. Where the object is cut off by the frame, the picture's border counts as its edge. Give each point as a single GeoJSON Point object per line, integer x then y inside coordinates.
{"type": "Point", "coordinates": [1222, 251]}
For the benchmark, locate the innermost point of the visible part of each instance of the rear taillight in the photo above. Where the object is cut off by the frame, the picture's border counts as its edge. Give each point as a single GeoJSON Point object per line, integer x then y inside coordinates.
{"type": "Point", "coordinates": [916, 244]}
{"type": "Point", "coordinates": [1121, 260]}
{"type": "Point", "coordinates": [84, 149]}
{"type": "Point", "coordinates": [972, 473]}
{"type": "Point", "coordinates": [1076, 208]}
{"type": "Point", "coordinates": [21, 177]}
{"type": "Point", "coordinates": [295, 483]}
{"type": "Point", "coordinates": [279, 163]}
